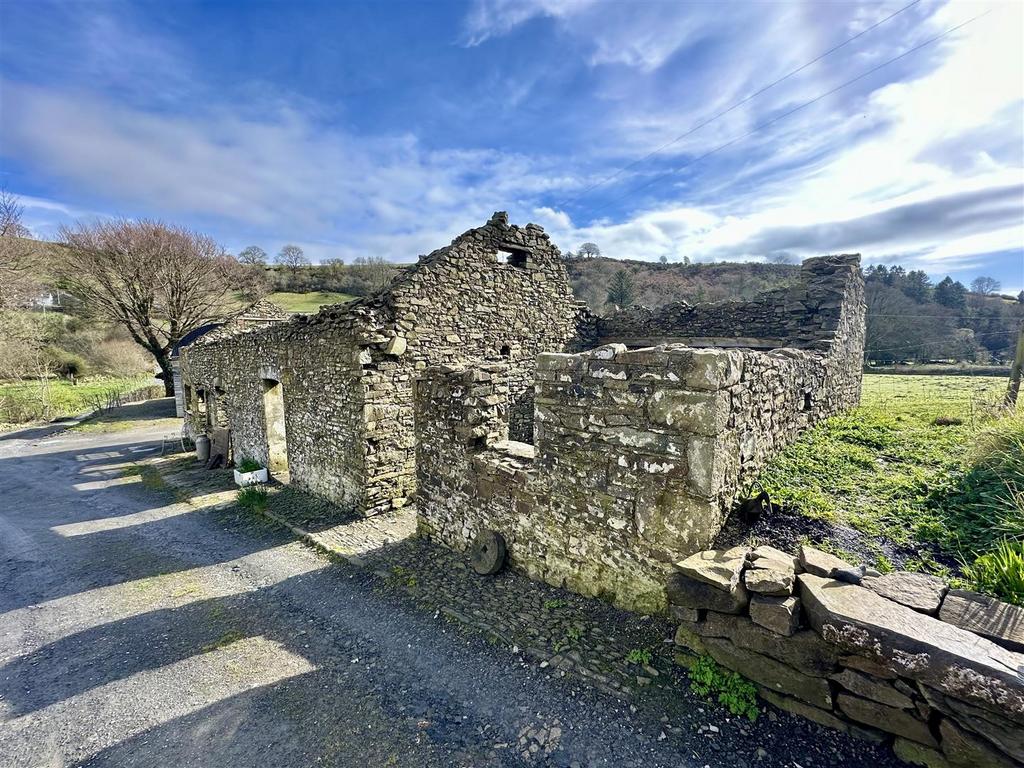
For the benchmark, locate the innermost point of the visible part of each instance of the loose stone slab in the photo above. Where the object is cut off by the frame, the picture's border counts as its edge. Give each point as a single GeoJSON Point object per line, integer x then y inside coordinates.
{"type": "Point", "coordinates": [721, 568]}
{"type": "Point", "coordinates": [797, 707]}
{"type": "Point", "coordinates": [918, 754]}
{"type": "Point", "coordinates": [964, 750]}
{"type": "Point", "coordinates": [1007, 736]}
{"type": "Point", "coordinates": [920, 591]}
{"type": "Point", "coordinates": [696, 595]}
{"type": "Point", "coordinates": [779, 614]}
{"type": "Point", "coordinates": [889, 719]}
{"type": "Point", "coordinates": [921, 647]}
{"type": "Point", "coordinates": [770, 581]}
{"type": "Point", "coordinates": [876, 690]}
{"type": "Point", "coordinates": [1000, 622]}
{"type": "Point", "coordinates": [804, 650]}
{"type": "Point", "coordinates": [768, 554]}
{"type": "Point", "coordinates": [819, 563]}
{"type": "Point", "coordinates": [770, 673]}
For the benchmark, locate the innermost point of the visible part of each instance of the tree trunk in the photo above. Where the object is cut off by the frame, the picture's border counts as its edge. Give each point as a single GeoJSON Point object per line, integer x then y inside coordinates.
{"type": "Point", "coordinates": [163, 359]}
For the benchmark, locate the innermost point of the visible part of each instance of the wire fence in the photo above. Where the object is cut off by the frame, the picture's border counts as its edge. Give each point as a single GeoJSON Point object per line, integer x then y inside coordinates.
{"type": "Point", "coordinates": [947, 398]}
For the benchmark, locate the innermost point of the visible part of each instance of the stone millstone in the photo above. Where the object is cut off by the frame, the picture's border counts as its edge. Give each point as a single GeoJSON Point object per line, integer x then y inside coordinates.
{"type": "Point", "coordinates": [487, 552]}
{"type": "Point", "coordinates": [919, 591]}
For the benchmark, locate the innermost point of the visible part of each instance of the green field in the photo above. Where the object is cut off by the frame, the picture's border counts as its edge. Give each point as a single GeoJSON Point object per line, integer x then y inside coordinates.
{"type": "Point", "coordinates": [31, 401]}
{"type": "Point", "coordinates": [307, 302]}
{"type": "Point", "coordinates": [927, 474]}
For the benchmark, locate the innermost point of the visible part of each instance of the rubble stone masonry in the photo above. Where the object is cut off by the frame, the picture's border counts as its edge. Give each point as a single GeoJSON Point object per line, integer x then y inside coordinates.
{"type": "Point", "coordinates": [638, 453]}
{"type": "Point", "coordinates": [498, 292]}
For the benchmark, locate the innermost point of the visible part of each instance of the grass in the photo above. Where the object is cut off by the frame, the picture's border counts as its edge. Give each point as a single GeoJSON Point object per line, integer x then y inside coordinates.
{"type": "Point", "coordinates": [253, 498]}
{"type": "Point", "coordinates": [28, 401]}
{"type": "Point", "coordinates": [307, 302]}
{"type": "Point", "coordinates": [1000, 572]}
{"type": "Point", "coordinates": [925, 475]}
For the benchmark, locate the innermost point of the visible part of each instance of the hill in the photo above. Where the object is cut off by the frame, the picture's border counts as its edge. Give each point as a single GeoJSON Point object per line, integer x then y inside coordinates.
{"type": "Point", "coordinates": [655, 284]}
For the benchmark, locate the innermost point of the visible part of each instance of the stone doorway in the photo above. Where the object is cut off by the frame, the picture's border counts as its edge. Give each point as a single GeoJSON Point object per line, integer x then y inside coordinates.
{"type": "Point", "coordinates": [273, 414]}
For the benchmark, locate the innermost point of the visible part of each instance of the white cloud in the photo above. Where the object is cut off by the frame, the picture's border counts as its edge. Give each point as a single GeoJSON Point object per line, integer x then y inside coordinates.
{"type": "Point", "coordinates": [280, 174]}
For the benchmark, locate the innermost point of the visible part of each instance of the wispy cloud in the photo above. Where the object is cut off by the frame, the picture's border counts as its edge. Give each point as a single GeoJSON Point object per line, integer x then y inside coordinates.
{"type": "Point", "coordinates": [922, 160]}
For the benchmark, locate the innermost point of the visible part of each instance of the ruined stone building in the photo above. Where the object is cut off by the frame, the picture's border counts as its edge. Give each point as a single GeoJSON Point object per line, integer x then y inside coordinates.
{"type": "Point", "coordinates": [602, 449]}
{"type": "Point", "coordinates": [643, 442]}
{"type": "Point", "coordinates": [257, 315]}
{"type": "Point", "coordinates": [328, 398]}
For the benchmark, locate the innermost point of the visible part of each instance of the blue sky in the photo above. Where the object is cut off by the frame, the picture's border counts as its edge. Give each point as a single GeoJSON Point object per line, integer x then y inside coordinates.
{"type": "Point", "coordinates": [387, 128]}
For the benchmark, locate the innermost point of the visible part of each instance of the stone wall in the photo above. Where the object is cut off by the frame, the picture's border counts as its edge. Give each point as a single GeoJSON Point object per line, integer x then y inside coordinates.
{"type": "Point", "coordinates": [498, 292]}
{"type": "Point", "coordinates": [898, 658]}
{"type": "Point", "coordinates": [638, 453]}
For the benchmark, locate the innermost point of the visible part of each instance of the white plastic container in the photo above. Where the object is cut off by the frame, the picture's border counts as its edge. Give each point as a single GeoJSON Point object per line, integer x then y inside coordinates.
{"type": "Point", "coordinates": [243, 479]}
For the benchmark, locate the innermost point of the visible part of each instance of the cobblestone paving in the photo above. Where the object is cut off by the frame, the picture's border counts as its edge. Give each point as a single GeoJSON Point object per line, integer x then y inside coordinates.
{"type": "Point", "coordinates": [582, 641]}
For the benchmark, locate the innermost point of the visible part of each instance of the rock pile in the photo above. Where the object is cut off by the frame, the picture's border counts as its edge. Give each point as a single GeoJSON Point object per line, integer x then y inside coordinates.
{"type": "Point", "coordinates": [896, 657]}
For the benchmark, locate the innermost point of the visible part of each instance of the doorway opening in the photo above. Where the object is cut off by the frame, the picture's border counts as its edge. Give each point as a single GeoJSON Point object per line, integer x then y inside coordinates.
{"type": "Point", "coordinates": [273, 414]}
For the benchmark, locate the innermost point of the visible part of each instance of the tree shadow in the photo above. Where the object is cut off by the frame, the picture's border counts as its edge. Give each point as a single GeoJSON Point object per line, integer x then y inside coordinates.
{"type": "Point", "coordinates": [85, 487]}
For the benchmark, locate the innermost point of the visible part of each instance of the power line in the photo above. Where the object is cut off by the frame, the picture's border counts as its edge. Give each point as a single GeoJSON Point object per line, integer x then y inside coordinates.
{"type": "Point", "coordinates": [965, 318]}
{"type": "Point", "coordinates": [784, 115]}
{"type": "Point", "coordinates": [871, 351]}
{"type": "Point", "coordinates": [737, 105]}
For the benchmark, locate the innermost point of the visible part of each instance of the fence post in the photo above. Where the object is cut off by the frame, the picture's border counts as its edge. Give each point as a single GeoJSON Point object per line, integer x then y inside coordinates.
{"type": "Point", "coordinates": [1015, 372]}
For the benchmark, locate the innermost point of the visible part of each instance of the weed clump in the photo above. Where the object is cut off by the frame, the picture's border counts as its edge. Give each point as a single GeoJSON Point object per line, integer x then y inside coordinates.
{"type": "Point", "coordinates": [639, 656]}
{"type": "Point", "coordinates": [735, 692]}
{"type": "Point", "coordinates": [253, 498]}
{"type": "Point", "coordinates": [999, 573]}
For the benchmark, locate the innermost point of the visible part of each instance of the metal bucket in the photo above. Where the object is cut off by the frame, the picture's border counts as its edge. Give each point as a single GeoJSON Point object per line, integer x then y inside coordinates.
{"type": "Point", "coordinates": [202, 448]}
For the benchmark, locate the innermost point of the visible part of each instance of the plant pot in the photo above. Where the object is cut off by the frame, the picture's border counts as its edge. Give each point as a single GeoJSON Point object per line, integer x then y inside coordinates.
{"type": "Point", "coordinates": [255, 477]}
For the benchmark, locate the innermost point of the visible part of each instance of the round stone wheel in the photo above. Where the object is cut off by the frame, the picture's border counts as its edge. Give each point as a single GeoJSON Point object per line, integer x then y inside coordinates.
{"type": "Point", "coordinates": [487, 553]}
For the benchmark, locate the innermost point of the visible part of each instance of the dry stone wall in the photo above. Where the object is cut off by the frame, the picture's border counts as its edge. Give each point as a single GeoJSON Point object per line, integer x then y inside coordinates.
{"type": "Point", "coordinates": [638, 453]}
{"type": "Point", "coordinates": [498, 292]}
{"type": "Point", "coordinates": [898, 658]}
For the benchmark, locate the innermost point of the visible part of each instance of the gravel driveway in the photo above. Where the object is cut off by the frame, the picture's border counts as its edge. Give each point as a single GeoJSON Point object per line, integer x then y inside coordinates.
{"type": "Point", "coordinates": [136, 630]}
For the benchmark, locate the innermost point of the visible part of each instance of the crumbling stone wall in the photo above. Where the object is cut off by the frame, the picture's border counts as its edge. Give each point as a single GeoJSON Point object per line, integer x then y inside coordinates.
{"type": "Point", "coordinates": [498, 292]}
{"type": "Point", "coordinates": [638, 453]}
{"type": "Point", "coordinates": [902, 658]}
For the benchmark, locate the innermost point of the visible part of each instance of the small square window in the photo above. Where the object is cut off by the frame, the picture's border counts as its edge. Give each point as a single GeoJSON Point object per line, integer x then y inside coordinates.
{"type": "Point", "coordinates": [512, 257]}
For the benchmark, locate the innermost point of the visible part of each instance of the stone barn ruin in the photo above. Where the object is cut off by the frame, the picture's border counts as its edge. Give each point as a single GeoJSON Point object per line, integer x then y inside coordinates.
{"type": "Point", "coordinates": [602, 449]}
{"type": "Point", "coordinates": [642, 443]}
{"type": "Point", "coordinates": [328, 398]}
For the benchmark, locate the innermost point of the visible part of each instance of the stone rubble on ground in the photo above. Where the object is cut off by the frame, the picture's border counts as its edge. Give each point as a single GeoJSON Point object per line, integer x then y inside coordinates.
{"type": "Point", "coordinates": [898, 658]}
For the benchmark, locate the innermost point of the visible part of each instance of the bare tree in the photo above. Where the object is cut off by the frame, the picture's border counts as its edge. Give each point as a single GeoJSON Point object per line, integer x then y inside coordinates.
{"type": "Point", "coordinates": [20, 257]}
{"type": "Point", "coordinates": [253, 256]}
{"type": "Point", "coordinates": [588, 251]}
{"type": "Point", "coordinates": [159, 282]}
{"type": "Point", "coordinates": [986, 286]}
{"type": "Point", "coordinates": [782, 257]}
{"type": "Point", "coordinates": [292, 257]}
{"type": "Point", "coordinates": [376, 270]}
{"type": "Point", "coordinates": [11, 212]}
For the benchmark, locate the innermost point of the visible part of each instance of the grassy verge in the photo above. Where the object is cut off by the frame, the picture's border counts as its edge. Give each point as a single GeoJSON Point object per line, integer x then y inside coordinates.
{"type": "Point", "coordinates": [307, 302]}
{"type": "Point", "coordinates": [28, 401]}
{"type": "Point", "coordinates": [925, 475]}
